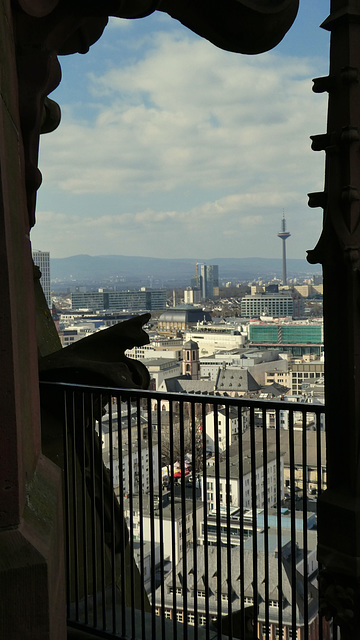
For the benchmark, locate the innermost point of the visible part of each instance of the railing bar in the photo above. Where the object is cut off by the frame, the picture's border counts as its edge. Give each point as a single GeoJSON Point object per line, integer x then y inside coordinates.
{"type": "Point", "coordinates": [305, 530]}
{"type": "Point", "coordinates": [218, 518]}
{"type": "Point", "coordinates": [194, 466]}
{"type": "Point", "coordinates": [102, 515]}
{"type": "Point", "coordinates": [292, 521]}
{"type": "Point", "coordinates": [319, 490]}
{"type": "Point", "coordinates": [184, 519]}
{"type": "Point", "coordinates": [152, 519]}
{"type": "Point", "coordinates": [122, 541]}
{"type": "Point", "coordinates": [318, 454]}
{"type": "Point", "coordinates": [278, 512]}
{"type": "Point", "coordinates": [93, 512]}
{"type": "Point", "coordinates": [84, 510]}
{"type": "Point", "coordinates": [266, 523]}
{"type": "Point", "coordinates": [205, 505]}
{"type": "Point", "coordinates": [131, 481]}
{"type": "Point", "coordinates": [228, 521]}
{"type": "Point", "coordinates": [140, 516]}
{"type": "Point", "coordinates": [173, 533]}
{"type": "Point", "coordinates": [161, 522]}
{"type": "Point", "coordinates": [242, 415]}
{"type": "Point", "coordinates": [103, 518]}
{"type": "Point", "coordinates": [112, 518]}
{"type": "Point", "coordinates": [254, 519]}
{"type": "Point", "coordinates": [75, 514]}
{"type": "Point", "coordinates": [67, 505]}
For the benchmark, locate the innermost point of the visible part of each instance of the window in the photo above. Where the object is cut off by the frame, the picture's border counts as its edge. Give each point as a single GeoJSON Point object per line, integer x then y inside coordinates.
{"type": "Point", "coordinates": [191, 619]}
{"type": "Point", "coordinates": [201, 594]}
{"type": "Point", "coordinates": [274, 603]}
{"type": "Point", "coordinates": [167, 613]}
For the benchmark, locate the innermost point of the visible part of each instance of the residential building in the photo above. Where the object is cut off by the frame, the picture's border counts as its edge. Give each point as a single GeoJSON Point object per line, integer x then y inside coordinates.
{"type": "Point", "coordinates": [257, 361]}
{"type": "Point", "coordinates": [138, 474]}
{"type": "Point", "coordinates": [309, 291]}
{"type": "Point", "coordinates": [142, 300]}
{"type": "Point", "coordinates": [282, 377]}
{"type": "Point", "coordinates": [274, 305]}
{"type": "Point", "coordinates": [240, 479]}
{"type": "Point", "coordinates": [227, 428]}
{"type": "Point", "coordinates": [159, 348]}
{"type": "Point", "coordinates": [42, 260]}
{"type": "Point", "coordinates": [305, 372]}
{"type": "Point", "coordinates": [148, 561]}
{"type": "Point", "coordinates": [223, 583]}
{"type": "Point", "coordinates": [107, 319]}
{"type": "Point", "coordinates": [232, 526]}
{"type": "Point", "coordinates": [305, 477]}
{"type": "Point", "coordinates": [179, 528]}
{"type": "Point", "coordinates": [116, 430]}
{"type": "Point", "coordinates": [162, 368]}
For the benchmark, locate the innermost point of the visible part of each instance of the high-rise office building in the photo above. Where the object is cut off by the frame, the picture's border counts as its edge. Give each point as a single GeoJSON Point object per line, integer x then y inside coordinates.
{"type": "Point", "coordinates": [209, 280]}
{"type": "Point", "coordinates": [142, 300]}
{"type": "Point", "coordinates": [42, 260]}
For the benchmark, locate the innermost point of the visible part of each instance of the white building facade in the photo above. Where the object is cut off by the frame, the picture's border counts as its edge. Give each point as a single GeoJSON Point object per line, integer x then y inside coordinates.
{"type": "Point", "coordinates": [42, 260]}
{"type": "Point", "coordinates": [242, 484]}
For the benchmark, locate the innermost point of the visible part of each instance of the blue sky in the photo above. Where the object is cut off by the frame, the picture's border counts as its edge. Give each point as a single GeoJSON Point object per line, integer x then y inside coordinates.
{"type": "Point", "coordinates": [171, 147]}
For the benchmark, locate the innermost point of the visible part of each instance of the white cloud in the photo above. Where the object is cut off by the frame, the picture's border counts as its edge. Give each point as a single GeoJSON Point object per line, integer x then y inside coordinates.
{"type": "Point", "coordinates": [225, 136]}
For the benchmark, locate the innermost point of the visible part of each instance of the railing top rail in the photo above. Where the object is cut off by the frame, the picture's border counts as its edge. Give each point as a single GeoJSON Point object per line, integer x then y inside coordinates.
{"type": "Point", "coordinates": [203, 399]}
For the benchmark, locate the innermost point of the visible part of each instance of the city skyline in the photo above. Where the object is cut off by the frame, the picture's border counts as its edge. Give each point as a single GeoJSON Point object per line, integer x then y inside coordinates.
{"type": "Point", "coordinates": [170, 147]}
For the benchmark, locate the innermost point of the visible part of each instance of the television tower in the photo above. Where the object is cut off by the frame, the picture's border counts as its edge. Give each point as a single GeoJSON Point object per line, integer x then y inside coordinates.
{"type": "Point", "coordinates": [283, 234]}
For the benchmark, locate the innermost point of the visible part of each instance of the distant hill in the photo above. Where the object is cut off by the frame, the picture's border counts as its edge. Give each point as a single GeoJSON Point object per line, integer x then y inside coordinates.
{"type": "Point", "coordinates": [132, 270]}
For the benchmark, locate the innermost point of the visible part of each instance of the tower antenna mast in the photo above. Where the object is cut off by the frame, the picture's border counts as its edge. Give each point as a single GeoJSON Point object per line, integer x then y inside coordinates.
{"type": "Point", "coordinates": [284, 235]}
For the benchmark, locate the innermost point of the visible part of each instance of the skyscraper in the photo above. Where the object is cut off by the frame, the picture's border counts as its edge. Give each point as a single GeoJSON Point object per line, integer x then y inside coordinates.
{"type": "Point", "coordinates": [209, 280]}
{"type": "Point", "coordinates": [283, 234]}
{"type": "Point", "coordinates": [42, 260]}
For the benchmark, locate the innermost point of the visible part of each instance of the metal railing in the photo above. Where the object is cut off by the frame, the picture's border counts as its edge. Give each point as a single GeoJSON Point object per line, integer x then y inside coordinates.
{"type": "Point", "coordinates": [191, 516]}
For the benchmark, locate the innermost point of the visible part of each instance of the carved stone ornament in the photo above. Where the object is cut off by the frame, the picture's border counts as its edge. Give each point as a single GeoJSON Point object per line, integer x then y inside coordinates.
{"type": "Point", "coordinates": [339, 600]}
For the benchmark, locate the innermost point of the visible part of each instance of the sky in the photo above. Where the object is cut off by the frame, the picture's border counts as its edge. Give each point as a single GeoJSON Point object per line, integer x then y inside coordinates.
{"type": "Point", "coordinates": [170, 147]}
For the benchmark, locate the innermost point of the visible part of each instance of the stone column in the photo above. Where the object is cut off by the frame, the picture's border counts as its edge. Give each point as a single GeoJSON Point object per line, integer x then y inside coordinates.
{"type": "Point", "coordinates": [32, 603]}
{"type": "Point", "coordinates": [339, 252]}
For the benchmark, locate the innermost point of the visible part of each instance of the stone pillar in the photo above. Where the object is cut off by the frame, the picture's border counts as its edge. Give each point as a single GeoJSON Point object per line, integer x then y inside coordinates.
{"type": "Point", "coordinates": [32, 603]}
{"type": "Point", "coordinates": [339, 252]}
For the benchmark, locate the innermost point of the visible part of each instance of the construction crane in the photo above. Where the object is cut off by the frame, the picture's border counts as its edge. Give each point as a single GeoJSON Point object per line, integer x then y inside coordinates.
{"type": "Point", "coordinates": [197, 271]}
